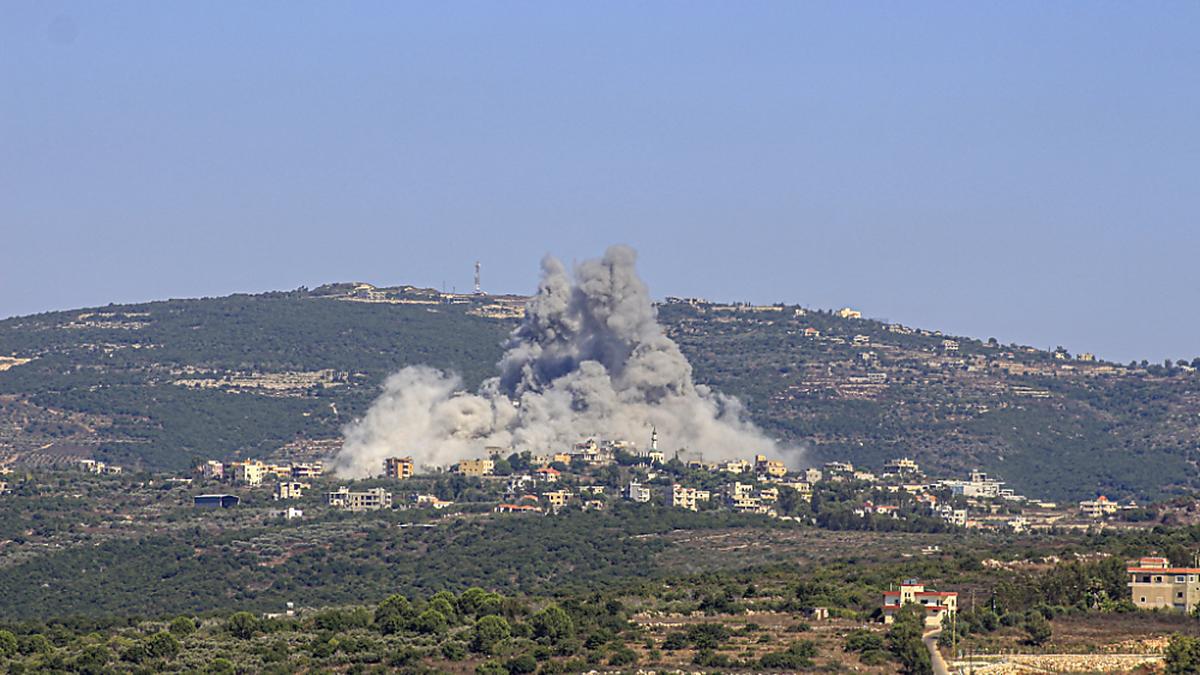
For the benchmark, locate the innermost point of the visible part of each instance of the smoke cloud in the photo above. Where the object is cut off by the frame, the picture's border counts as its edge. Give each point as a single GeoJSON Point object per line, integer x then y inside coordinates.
{"type": "Point", "coordinates": [589, 361]}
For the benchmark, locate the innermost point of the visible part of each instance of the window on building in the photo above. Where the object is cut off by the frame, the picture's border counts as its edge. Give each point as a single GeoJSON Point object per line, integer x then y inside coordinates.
{"type": "Point", "coordinates": [1143, 599]}
{"type": "Point", "coordinates": [1158, 580]}
{"type": "Point", "coordinates": [1179, 579]}
{"type": "Point", "coordinates": [1179, 594]}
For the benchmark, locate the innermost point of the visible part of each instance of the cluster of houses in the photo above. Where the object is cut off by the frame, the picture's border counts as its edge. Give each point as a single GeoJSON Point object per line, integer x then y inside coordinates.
{"type": "Point", "coordinates": [978, 502]}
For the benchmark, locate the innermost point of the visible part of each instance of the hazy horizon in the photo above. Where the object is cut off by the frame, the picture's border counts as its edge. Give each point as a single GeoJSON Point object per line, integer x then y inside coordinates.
{"type": "Point", "coordinates": [1028, 172]}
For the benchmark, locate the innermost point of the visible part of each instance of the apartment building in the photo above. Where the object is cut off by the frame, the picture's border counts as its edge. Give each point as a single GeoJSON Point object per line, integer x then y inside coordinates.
{"type": "Point", "coordinates": [1154, 584]}
{"type": "Point", "coordinates": [937, 605]}
{"type": "Point", "coordinates": [307, 470]}
{"type": "Point", "coordinates": [688, 498]}
{"type": "Point", "coordinates": [557, 499]}
{"type": "Point", "coordinates": [289, 489]}
{"type": "Point", "coordinates": [400, 468]}
{"type": "Point", "coordinates": [250, 472]}
{"type": "Point", "coordinates": [1098, 507]}
{"type": "Point", "coordinates": [367, 500]}
{"type": "Point", "coordinates": [902, 465]}
{"type": "Point", "coordinates": [636, 492]}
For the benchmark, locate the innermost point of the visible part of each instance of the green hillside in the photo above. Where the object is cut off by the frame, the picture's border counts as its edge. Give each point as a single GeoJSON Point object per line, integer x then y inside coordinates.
{"type": "Point", "coordinates": [161, 384]}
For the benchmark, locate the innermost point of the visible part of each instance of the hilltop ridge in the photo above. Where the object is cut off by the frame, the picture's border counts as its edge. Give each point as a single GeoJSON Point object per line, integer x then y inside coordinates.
{"type": "Point", "coordinates": [165, 383]}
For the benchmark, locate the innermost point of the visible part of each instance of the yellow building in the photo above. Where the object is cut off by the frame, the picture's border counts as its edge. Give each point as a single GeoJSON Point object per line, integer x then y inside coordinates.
{"type": "Point", "coordinates": [398, 467]}
{"type": "Point", "coordinates": [475, 467]}
{"type": "Point", "coordinates": [557, 499]}
{"type": "Point", "coordinates": [770, 467]}
{"type": "Point", "coordinates": [250, 472]}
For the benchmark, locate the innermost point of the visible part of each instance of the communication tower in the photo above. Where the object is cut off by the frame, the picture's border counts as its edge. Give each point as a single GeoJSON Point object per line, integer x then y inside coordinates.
{"type": "Point", "coordinates": [478, 288]}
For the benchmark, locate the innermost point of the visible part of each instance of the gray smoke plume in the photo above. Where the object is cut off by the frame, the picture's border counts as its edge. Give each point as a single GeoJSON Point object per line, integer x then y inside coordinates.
{"type": "Point", "coordinates": [589, 361]}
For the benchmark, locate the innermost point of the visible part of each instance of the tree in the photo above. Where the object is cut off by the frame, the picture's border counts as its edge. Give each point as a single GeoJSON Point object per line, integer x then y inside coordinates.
{"type": "Point", "coordinates": [1182, 655]}
{"type": "Point", "coordinates": [8, 644]}
{"type": "Point", "coordinates": [92, 660]}
{"type": "Point", "coordinates": [430, 621]}
{"type": "Point", "coordinates": [162, 645]}
{"type": "Point", "coordinates": [904, 640]}
{"type": "Point", "coordinates": [242, 625]}
{"type": "Point", "coordinates": [1037, 629]}
{"type": "Point", "coordinates": [489, 630]}
{"type": "Point", "coordinates": [553, 623]}
{"type": "Point", "coordinates": [182, 626]}
{"type": "Point", "coordinates": [393, 614]}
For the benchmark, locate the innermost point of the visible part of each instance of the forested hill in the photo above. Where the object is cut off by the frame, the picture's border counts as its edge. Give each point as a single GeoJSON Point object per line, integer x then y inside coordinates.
{"type": "Point", "coordinates": [162, 384]}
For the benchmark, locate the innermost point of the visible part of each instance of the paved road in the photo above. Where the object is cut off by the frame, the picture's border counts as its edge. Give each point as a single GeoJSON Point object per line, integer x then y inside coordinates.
{"type": "Point", "coordinates": [939, 664]}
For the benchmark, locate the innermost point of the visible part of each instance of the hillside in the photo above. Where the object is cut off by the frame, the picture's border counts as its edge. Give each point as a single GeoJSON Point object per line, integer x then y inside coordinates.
{"type": "Point", "coordinates": [159, 385]}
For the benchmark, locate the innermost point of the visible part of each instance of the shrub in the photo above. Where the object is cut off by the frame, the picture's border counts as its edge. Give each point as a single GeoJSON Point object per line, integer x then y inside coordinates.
{"type": "Point", "coordinates": [675, 640]}
{"type": "Point", "coordinates": [521, 665]}
{"type": "Point", "coordinates": [454, 651]}
{"type": "Point", "coordinates": [862, 640]}
{"type": "Point", "coordinates": [34, 644]}
{"type": "Point", "coordinates": [798, 655]}
{"type": "Point", "coordinates": [623, 656]}
{"type": "Point", "coordinates": [707, 635]}
{"type": "Point", "coordinates": [1037, 630]}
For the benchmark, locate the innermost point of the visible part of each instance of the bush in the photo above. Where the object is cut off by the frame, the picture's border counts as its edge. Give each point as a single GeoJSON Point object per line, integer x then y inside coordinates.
{"type": "Point", "coordinates": [798, 655]}
{"type": "Point", "coordinates": [1037, 630]}
{"type": "Point", "coordinates": [707, 635]}
{"type": "Point", "coordinates": [623, 656]}
{"type": "Point", "coordinates": [221, 666]}
{"type": "Point", "coordinates": [862, 640]}
{"type": "Point", "coordinates": [521, 665]}
{"type": "Point", "coordinates": [675, 640]}
{"type": "Point", "coordinates": [454, 651]}
{"type": "Point", "coordinates": [34, 644]}
{"type": "Point", "coordinates": [491, 668]}
{"type": "Point", "coordinates": [8, 644]}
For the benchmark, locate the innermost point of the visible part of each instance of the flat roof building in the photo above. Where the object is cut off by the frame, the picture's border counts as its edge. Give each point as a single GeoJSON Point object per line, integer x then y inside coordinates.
{"type": "Point", "coordinates": [215, 501]}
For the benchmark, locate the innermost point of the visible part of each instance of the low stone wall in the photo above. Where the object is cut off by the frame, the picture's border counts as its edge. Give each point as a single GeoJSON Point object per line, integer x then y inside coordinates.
{"type": "Point", "coordinates": [1068, 663]}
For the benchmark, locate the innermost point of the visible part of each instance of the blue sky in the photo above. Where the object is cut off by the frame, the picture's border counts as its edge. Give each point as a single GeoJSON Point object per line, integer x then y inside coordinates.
{"type": "Point", "coordinates": [1029, 171]}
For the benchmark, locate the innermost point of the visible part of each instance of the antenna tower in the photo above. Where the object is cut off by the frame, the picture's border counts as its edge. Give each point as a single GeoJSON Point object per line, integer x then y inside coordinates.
{"type": "Point", "coordinates": [478, 289]}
